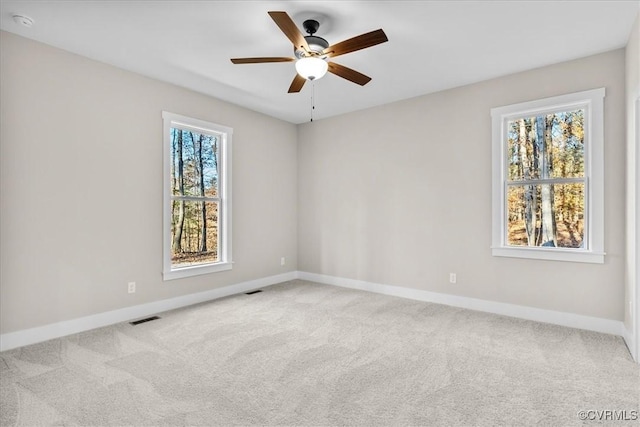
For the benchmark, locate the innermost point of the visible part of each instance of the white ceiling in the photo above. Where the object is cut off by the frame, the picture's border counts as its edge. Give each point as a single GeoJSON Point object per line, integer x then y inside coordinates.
{"type": "Point", "coordinates": [433, 45]}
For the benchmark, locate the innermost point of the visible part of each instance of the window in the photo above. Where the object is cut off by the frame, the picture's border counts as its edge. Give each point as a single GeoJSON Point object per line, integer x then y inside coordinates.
{"type": "Point", "coordinates": [197, 197]}
{"type": "Point", "coordinates": [548, 178]}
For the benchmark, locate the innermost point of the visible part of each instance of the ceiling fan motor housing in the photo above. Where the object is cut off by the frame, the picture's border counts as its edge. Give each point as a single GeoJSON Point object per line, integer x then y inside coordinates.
{"type": "Point", "coordinates": [316, 44]}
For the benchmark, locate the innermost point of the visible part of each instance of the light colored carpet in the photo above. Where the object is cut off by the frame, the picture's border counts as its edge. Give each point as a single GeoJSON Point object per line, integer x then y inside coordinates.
{"type": "Point", "coordinates": [301, 353]}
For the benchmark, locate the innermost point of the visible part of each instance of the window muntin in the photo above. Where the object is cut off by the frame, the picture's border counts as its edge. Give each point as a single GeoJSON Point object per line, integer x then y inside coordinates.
{"type": "Point", "coordinates": [197, 197]}
{"type": "Point", "coordinates": [548, 178]}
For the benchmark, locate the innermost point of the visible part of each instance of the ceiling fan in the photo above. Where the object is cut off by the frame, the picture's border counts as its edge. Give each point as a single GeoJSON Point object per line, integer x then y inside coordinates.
{"type": "Point", "coordinates": [312, 53]}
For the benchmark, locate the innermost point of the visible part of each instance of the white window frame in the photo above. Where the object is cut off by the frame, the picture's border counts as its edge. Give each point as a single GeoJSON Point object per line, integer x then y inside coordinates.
{"type": "Point", "coordinates": [224, 134]}
{"type": "Point", "coordinates": [593, 103]}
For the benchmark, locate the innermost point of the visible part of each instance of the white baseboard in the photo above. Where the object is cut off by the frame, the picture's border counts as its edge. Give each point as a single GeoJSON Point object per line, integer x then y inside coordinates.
{"type": "Point", "coordinates": [628, 337]}
{"type": "Point", "coordinates": [60, 329]}
{"type": "Point", "coordinates": [17, 339]}
{"type": "Point", "coordinates": [578, 321]}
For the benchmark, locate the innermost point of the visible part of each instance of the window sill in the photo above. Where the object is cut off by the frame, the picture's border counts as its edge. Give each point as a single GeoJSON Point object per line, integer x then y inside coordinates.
{"type": "Point", "coordinates": [555, 254]}
{"type": "Point", "coordinates": [196, 270]}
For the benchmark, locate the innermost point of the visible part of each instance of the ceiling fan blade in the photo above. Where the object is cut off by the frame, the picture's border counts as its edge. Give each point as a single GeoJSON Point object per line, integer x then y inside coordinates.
{"type": "Point", "coordinates": [348, 73]}
{"type": "Point", "coordinates": [297, 83]}
{"type": "Point", "coordinates": [290, 29]}
{"type": "Point", "coordinates": [356, 43]}
{"type": "Point", "coordinates": [261, 60]}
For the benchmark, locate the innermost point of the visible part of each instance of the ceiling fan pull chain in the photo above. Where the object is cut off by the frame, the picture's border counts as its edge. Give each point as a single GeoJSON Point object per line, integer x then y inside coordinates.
{"type": "Point", "coordinates": [313, 93]}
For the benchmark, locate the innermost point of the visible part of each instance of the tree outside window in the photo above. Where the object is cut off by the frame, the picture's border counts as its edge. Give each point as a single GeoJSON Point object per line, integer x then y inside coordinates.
{"type": "Point", "coordinates": [194, 190]}
{"type": "Point", "coordinates": [546, 180]}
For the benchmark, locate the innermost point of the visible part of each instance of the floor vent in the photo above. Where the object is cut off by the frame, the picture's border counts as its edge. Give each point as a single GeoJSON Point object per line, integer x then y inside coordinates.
{"type": "Point", "coordinates": [148, 319]}
{"type": "Point", "coordinates": [253, 292]}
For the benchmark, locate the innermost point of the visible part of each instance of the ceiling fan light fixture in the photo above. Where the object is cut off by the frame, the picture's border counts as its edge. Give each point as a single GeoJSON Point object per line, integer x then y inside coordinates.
{"type": "Point", "coordinates": [311, 67]}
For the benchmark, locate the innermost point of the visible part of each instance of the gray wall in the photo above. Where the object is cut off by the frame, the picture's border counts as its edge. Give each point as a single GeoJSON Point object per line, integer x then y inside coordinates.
{"type": "Point", "coordinates": [81, 187]}
{"type": "Point", "coordinates": [401, 195]}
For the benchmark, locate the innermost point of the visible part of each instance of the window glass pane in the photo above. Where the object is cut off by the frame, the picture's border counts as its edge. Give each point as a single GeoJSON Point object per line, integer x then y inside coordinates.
{"type": "Point", "coordinates": [546, 146]}
{"type": "Point", "coordinates": [194, 164]}
{"type": "Point", "coordinates": [194, 233]}
{"type": "Point", "coordinates": [545, 215]}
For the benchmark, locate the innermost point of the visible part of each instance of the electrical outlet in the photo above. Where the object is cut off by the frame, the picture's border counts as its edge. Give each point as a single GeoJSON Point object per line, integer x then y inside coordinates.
{"type": "Point", "coordinates": [452, 278]}
{"type": "Point", "coordinates": [132, 287]}
{"type": "Point", "coordinates": [282, 261]}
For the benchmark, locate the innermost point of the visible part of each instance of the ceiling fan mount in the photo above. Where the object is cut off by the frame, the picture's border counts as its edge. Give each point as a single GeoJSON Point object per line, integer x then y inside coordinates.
{"type": "Point", "coordinates": [312, 54]}
{"type": "Point", "coordinates": [311, 26]}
